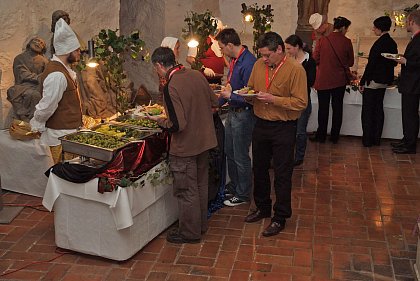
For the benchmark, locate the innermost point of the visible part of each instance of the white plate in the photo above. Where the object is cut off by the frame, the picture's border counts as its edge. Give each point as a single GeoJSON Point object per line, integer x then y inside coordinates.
{"type": "Point", "coordinates": [244, 94]}
{"type": "Point", "coordinates": [248, 95]}
{"type": "Point", "coordinates": [391, 56]}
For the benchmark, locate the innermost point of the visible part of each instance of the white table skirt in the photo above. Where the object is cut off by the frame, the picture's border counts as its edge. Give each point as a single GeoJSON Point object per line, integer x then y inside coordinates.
{"type": "Point", "coordinates": [22, 165]}
{"type": "Point", "coordinates": [352, 109]}
{"type": "Point", "coordinates": [113, 225]}
{"type": "Point", "coordinates": [124, 203]}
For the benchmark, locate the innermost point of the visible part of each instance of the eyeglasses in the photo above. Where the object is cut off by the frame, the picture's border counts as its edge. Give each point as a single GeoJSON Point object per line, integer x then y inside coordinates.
{"type": "Point", "coordinates": [267, 55]}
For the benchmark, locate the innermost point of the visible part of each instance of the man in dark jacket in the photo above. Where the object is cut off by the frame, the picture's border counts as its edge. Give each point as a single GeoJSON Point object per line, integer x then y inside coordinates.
{"type": "Point", "coordinates": [379, 73]}
{"type": "Point", "coordinates": [188, 101]}
{"type": "Point", "coordinates": [409, 88]}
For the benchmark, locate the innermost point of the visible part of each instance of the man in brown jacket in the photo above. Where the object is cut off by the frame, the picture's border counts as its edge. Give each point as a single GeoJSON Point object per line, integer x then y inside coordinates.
{"type": "Point", "coordinates": [188, 101]}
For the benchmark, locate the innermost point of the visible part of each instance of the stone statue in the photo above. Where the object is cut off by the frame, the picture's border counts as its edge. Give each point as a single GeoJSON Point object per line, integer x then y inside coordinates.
{"type": "Point", "coordinates": [27, 67]}
{"type": "Point", "coordinates": [305, 9]}
{"type": "Point", "coordinates": [308, 7]}
{"type": "Point", "coordinates": [98, 99]}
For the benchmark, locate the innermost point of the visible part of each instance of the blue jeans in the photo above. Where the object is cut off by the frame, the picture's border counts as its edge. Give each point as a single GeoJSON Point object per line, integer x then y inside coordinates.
{"type": "Point", "coordinates": [238, 137]}
{"type": "Point", "coordinates": [301, 137]}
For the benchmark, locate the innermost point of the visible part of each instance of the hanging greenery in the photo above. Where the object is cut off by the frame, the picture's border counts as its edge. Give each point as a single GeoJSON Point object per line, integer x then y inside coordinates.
{"type": "Point", "coordinates": [262, 19]}
{"type": "Point", "coordinates": [112, 49]}
{"type": "Point", "coordinates": [199, 26]}
{"type": "Point", "coordinates": [399, 16]}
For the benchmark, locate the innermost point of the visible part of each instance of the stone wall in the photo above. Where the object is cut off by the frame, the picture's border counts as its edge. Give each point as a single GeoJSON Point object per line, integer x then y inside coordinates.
{"type": "Point", "coordinates": [147, 16]}
{"type": "Point", "coordinates": [155, 19]}
{"type": "Point", "coordinates": [22, 19]}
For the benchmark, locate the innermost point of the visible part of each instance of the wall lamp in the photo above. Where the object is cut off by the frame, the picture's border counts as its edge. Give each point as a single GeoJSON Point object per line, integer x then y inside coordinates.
{"type": "Point", "coordinates": [92, 62]}
{"type": "Point", "coordinates": [192, 43]}
{"type": "Point", "coordinates": [248, 17]}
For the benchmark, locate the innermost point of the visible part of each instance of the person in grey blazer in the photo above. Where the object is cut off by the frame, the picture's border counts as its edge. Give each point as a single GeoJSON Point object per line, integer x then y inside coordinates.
{"type": "Point", "coordinates": [379, 73]}
{"type": "Point", "coordinates": [409, 88]}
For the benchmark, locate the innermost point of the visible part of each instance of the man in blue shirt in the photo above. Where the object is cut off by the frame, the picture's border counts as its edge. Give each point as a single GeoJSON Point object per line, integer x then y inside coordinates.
{"type": "Point", "coordinates": [240, 119]}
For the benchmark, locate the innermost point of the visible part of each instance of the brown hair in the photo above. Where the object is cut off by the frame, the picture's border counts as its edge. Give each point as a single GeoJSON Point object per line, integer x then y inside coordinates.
{"type": "Point", "coordinates": [415, 16]}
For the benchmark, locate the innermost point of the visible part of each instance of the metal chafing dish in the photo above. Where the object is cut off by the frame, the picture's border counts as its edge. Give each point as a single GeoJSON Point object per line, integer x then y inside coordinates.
{"type": "Point", "coordinates": [128, 132]}
{"type": "Point", "coordinates": [88, 150]}
{"type": "Point", "coordinates": [125, 120]}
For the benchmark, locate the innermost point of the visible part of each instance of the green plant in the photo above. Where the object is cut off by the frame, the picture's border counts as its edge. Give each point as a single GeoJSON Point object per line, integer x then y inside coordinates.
{"type": "Point", "coordinates": [200, 26]}
{"type": "Point", "coordinates": [262, 19]}
{"type": "Point", "coordinates": [111, 49]}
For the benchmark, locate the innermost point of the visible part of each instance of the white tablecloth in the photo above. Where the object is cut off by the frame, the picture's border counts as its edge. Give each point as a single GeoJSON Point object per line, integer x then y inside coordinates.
{"type": "Point", "coordinates": [22, 165]}
{"type": "Point", "coordinates": [124, 203]}
{"type": "Point", "coordinates": [352, 110]}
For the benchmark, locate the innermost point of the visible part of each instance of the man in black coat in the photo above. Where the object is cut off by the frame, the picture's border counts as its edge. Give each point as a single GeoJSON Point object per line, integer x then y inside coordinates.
{"type": "Point", "coordinates": [409, 88]}
{"type": "Point", "coordinates": [379, 73]}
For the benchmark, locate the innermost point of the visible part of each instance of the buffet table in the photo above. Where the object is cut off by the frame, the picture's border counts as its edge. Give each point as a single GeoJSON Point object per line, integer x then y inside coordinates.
{"type": "Point", "coordinates": [22, 165]}
{"type": "Point", "coordinates": [114, 225]}
{"type": "Point", "coordinates": [352, 110]}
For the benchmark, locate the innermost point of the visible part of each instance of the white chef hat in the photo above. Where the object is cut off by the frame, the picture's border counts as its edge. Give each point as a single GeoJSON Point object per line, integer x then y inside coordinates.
{"type": "Point", "coordinates": [65, 40]}
{"type": "Point", "coordinates": [169, 42]}
{"type": "Point", "coordinates": [315, 20]}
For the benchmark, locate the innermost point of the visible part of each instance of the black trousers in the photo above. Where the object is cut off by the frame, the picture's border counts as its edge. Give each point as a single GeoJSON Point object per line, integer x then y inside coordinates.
{"type": "Point", "coordinates": [336, 96]}
{"type": "Point", "coordinates": [410, 118]}
{"type": "Point", "coordinates": [372, 116]}
{"type": "Point", "coordinates": [273, 140]}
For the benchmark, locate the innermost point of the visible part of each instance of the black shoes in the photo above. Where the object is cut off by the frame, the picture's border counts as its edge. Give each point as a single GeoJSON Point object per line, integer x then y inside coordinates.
{"type": "Point", "coordinates": [174, 237]}
{"type": "Point", "coordinates": [334, 140]}
{"type": "Point", "coordinates": [403, 150]}
{"type": "Point", "coordinates": [397, 143]}
{"type": "Point", "coordinates": [274, 228]}
{"type": "Point", "coordinates": [316, 139]}
{"type": "Point", "coordinates": [256, 216]}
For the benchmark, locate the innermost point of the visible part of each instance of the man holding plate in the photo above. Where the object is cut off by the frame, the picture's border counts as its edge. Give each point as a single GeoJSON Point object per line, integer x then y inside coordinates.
{"type": "Point", "coordinates": [280, 84]}
{"type": "Point", "coordinates": [240, 119]}
{"type": "Point", "coordinates": [409, 88]}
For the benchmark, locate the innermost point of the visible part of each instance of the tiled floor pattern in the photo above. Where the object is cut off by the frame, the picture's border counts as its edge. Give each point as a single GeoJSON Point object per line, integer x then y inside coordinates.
{"type": "Point", "coordinates": [354, 213]}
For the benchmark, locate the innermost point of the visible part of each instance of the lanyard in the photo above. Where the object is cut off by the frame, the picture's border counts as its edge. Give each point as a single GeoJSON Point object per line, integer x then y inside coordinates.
{"type": "Point", "coordinates": [232, 65]}
{"type": "Point", "coordinates": [174, 70]}
{"type": "Point", "coordinates": [268, 81]}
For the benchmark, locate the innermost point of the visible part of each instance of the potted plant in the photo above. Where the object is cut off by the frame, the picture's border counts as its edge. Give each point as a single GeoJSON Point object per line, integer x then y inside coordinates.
{"type": "Point", "coordinates": [113, 49]}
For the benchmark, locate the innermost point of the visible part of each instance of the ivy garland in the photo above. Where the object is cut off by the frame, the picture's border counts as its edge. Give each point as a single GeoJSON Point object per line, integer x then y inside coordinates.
{"type": "Point", "coordinates": [262, 19]}
{"type": "Point", "coordinates": [201, 25]}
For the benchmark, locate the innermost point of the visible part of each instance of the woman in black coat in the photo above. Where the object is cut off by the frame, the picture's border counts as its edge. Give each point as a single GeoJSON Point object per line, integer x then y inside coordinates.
{"type": "Point", "coordinates": [295, 49]}
{"type": "Point", "coordinates": [379, 73]}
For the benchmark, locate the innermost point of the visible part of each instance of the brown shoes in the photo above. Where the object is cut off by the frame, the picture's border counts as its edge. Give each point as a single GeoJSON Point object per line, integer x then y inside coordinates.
{"type": "Point", "coordinates": [274, 228]}
{"type": "Point", "coordinates": [256, 216]}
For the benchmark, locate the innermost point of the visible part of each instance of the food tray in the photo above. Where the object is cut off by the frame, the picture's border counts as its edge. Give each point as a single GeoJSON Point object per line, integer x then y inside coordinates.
{"type": "Point", "coordinates": [132, 133]}
{"type": "Point", "coordinates": [121, 120]}
{"type": "Point", "coordinates": [88, 150]}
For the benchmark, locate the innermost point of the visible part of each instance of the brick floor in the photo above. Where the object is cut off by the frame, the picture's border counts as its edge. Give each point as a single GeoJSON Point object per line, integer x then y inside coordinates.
{"type": "Point", "coordinates": [353, 212]}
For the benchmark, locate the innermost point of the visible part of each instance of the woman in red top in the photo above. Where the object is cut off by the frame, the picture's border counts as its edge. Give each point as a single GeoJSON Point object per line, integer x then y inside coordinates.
{"type": "Point", "coordinates": [213, 61]}
{"type": "Point", "coordinates": [333, 55]}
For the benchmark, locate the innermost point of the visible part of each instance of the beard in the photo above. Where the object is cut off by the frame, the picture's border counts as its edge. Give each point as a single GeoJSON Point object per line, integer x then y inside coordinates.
{"type": "Point", "coordinates": [72, 58]}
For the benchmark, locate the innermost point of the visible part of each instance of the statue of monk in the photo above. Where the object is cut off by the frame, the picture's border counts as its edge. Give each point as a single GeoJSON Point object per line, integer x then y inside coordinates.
{"type": "Point", "coordinates": [27, 67]}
